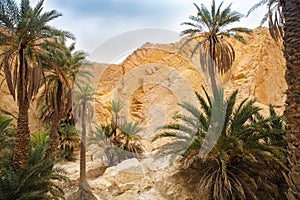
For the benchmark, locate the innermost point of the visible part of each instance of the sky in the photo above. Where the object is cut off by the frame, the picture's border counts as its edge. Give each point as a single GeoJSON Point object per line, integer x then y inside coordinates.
{"type": "Point", "coordinates": [94, 22]}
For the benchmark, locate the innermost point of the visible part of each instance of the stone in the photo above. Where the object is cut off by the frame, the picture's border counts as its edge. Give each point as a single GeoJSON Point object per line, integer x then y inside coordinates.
{"type": "Point", "coordinates": [127, 171]}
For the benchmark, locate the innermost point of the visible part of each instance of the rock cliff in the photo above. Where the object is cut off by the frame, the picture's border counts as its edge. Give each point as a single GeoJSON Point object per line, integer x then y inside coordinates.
{"type": "Point", "coordinates": [155, 78]}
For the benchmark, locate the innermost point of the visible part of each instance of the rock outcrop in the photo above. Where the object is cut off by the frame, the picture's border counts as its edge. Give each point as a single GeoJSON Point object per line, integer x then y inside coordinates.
{"type": "Point", "coordinates": [155, 78]}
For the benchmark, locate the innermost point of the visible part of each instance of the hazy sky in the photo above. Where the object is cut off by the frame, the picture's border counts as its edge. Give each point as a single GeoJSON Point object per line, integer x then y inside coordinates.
{"type": "Point", "coordinates": [96, 21]}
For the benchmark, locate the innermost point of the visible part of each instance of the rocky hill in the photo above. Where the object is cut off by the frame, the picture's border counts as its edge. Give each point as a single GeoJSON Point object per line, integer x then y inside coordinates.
{"type": "Point", "coordinates": [156, 77]}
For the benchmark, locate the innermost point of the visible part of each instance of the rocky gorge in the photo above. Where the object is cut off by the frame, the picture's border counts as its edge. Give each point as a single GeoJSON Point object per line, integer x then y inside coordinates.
{"type": "Point", "coordinates": [150, 83]}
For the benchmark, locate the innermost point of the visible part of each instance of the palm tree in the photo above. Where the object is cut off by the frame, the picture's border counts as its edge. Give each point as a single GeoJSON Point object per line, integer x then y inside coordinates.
{"type": "Point", "coordinates": [247, 140]}
{"type": "Point", "coordinates": [286, 15]}
{"type": "Point", "coordinates": [61, 70]}
{"type": "Point", "coordinates": [292, 106]}
{"type": "Point", "coordinates": [275, 16]}
{"type": "Point", "coordinates": [69, 140]}
{"type": "Point", "coordinates": [115, 108]}
{"type": "Point", "coordinates": [208, 29]}
{"type": "Point", "coordinates": [127, 144]}
{"type": "Point", "coordinates": [83, 111]}
{"type": "Point", "coordinates": [35, 181]}
{"type": "Point", "coordinates": [25, 46]}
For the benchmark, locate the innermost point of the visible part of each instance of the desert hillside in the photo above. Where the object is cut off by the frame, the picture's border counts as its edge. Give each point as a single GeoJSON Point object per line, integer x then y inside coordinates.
{"type": "Point", "coordinates": [156, 77]}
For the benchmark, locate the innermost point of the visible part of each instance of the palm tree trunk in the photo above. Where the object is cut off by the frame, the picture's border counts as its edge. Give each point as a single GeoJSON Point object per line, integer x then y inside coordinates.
{"type": "Point", "coordinates": [54, 137]}
{"type": "Point", "coordinates": [22, 140]}
{"type": "Point", "coordinates": [292, 111]}
{"type": "Point", "coordinates": [56, 120]}
{"type": "Point", "coordinates": [83, 181]}
{"type": "Point", "coordinates": [21, 151]}
{"type": "Point", "coordinates": [212, 68]}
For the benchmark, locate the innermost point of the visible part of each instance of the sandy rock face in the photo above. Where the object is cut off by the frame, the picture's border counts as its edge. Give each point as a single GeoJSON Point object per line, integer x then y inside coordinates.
{"type": "Point", "coordinates": [153, 80]}
{"type": "Point", "coordinates": [259, 68]}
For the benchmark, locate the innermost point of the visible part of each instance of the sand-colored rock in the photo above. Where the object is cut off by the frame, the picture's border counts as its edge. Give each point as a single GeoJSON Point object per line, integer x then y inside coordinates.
{"type": "Point", "coordinates": [155, 78]}
{"type": "Point", "coordinates": [127, 171]}
{"type": "Point", "coordinates": [259, 68]}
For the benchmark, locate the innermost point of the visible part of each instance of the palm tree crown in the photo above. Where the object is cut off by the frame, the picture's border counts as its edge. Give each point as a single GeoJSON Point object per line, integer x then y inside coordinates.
{"type": "Point", "coordinates": [274, 16]}
{"type": "Point", "coordinates": [209, 29]}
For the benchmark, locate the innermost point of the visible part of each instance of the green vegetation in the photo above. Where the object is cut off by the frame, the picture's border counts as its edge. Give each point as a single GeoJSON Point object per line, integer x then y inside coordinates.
{"type": "Point", "coordinates": [120, 140]}
{"type": "Point", "coordinates": [61, 69]}
{"type": "Point", "coordinates": [248, 140]}
{"type": "Point", "coordinates": [38, 180]}
{"type": "Point", "coordinates": [69, 140]}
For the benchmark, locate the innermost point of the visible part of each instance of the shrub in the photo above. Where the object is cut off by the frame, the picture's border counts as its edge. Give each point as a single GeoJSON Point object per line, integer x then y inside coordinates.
{"type": "Point", "coordinates": [39, 180]}
{"type": "Point", "coordinates": [247, 157]}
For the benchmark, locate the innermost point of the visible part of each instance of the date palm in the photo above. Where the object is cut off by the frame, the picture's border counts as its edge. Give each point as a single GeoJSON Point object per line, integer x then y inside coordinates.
{"type": "Point", "coordinates": [287, 14]}
{"type": "Point", "coordinates": [83, 111]}
{"type": "Point", "coordinates": [60, 72]}
{"type": "Point", "coordinates": [247, 140]}
{"type": "Point", "coordinates": [115, 109]}
{"type": "Point", "coordinates": [209, 29]}
{"type": "Point", "coordinates": [292, 106]}
{"type": "Point", "coordinates": [24, 45]}
{"type": "Point", "coordinates": [274, 16]}
{"type": "Point", "coordinates": [129, 140]}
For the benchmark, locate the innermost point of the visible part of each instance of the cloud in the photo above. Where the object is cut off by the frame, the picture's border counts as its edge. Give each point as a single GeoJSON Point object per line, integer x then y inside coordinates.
{"type": "Point", "coordinates": [95, 21]}
{"type": "Point", "coordinates": [114, 8]}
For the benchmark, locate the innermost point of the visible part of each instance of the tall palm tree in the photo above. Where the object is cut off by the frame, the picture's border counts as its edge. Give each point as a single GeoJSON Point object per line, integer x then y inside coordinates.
{"type": "Point", "coordinates": [25, 45]}
{"type": "Point", "coordinates": [274, 16]}
{"type": "Point", "coordinates": [60, 70]}
{"type": "Point", "coordinates": [209, 29]}
{"type": "Point", "coordinates": [286, 15]}
{"type": "Point", "coordinates": [292, 106]}
{"type": "Point", "coordinates": [83, 111]}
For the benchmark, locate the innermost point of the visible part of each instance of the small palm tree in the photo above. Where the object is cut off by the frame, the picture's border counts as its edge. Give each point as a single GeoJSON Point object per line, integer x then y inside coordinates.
{"type": "Point", "coordinates": [274, 16]}
{"type": "Point", "coordinates": [35, 181]}
{"type": "Point", "coordinates": [208, 29]}
{"type": "Point", "coordinates": [25, 41]}
{"type": "Point", "coordinates": [129, 140]}
{"type": "Point", "coordinates": [69, 140]}
{"type": "Point", "coordinates": [103, 137]}
{"type": "Point", "coordinates": [83, 111]}
{"type": "Point", "coordinates": [115, 108]}
{"type": "Point", "coordinates": [119, 139]}
{"type": "Point", "coordinates": [40, 137]}
{"type": "Point", "coordinates": [230, 168]}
